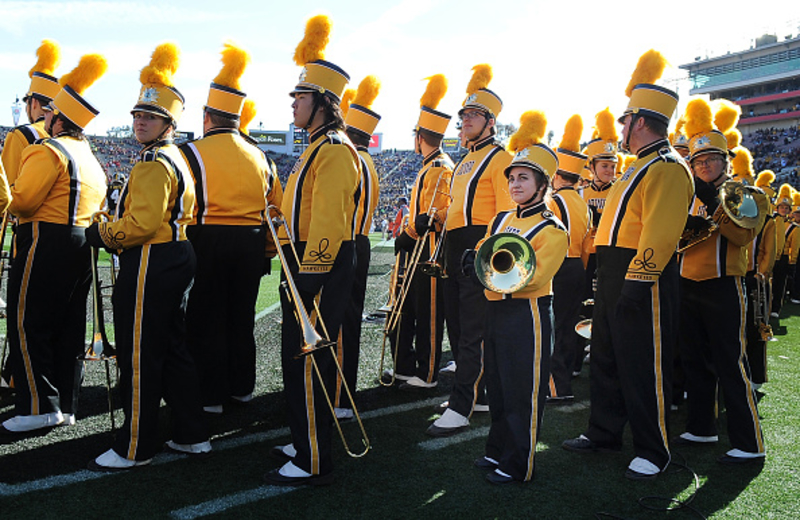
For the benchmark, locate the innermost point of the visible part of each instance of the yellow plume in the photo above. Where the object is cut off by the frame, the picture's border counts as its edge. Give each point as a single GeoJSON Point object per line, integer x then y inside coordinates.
{"type": "Point", "coordinates": [481, 77]}
{"type": "Point", "coordinates": [434, 92]}
{"type": "Point", "coordinates": [785, 192]}
{"type": "Point", "coordinates": [680, 124]}
{"type": "Point", "coordinates": [796, 198]}
{"type": "Point", "coordinates": [532, 126]}
{"type": "Point", "coordinates": [726, 115]}
{"type": "Point", "coordinates": [627, 160]}
{"type": "Point", "coordinates": [347, 98]}
{"type": "Point", "coordinates": [49, 56]}
{"type": "Point", "coordinates": [89, 70]}
{"type": "Point", "coordinates": [765, 178]}
{"type": "Point", "coordinates": [742, 164]}
{"type": "Point", "coordinates": [163, 64]}
{"type": "Point", "coordinates": [698, 117]}
{"type": "Point", "coordinates": [649, 69]}
{"type": "Point", "coordinates": [571, 140]}
{"type": "Point", "coordinates": [734, 138]}
{"type": "Point", "coordinates": [234, 61]}
{"type": "Point", "coordinates": [317, 36]}
{"type": "Point", "coordinates": [249, 112]}
{"type": "Point", "coordinates": [367, 91]}
{"type": "Point", "coordinates": [605, 125]}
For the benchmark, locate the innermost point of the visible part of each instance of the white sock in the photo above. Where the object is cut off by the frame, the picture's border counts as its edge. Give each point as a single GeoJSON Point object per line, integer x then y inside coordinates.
{"type": "Point", "coordinates": [736, 452]}
{"type": "Point", "coordinates": [290, 470]}
{"type": "Point", "coordinates": [289, 450]}
{"type": "Point", "coordinates": [643, 466]}
{"type": "Point", "coordinates": [699, 438]}
{"type": "Point", "coordinates": [451, 419]}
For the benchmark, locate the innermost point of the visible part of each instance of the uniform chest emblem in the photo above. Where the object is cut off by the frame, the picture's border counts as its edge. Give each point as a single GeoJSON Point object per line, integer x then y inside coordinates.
{"type": "Point", "coordinates": [512, 229]}
{"type": "Point", "coordinates": [465, 168]}
{"type": "Point", "coordinates": [628, 173]}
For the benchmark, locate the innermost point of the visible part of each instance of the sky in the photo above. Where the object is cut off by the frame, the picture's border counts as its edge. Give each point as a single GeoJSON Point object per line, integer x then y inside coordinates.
{"type": "Point", "coordinates": [559, 57]}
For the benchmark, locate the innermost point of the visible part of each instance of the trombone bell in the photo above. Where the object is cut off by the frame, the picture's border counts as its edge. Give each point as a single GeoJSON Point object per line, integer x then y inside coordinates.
{"type": "Point", "coordinates": [505, 263]}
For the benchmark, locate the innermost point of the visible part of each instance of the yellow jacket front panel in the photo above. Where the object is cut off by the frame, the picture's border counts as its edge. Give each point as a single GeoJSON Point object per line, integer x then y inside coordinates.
{"type": "Point", "coordinates": [646, 210]}
{"type": "Point", "coordinates": [763, 251]}
{"type": "Point", "coordinates": [791, 245]}
{"type": "Point", "coordinates": [431, 190]}
{"type": "Point", "coordinates": [16, 141]}
{"type": "Point", "coordinates": [156, 203]}
{"type": "Point", "coordinates": [780, 233]}
{"type": "Point", "coordinates": [549, 239]}
{"type": "Point", "coordinates": [480, 187]}
{"type": "Point", "coordinates": [367, 194]}
{"type": "Point", "coordinates": [231, 179]}
{"type": "Point", "coordinates": [60, 181]}
{"type": "Point", "coordinates": [319, 199]}
{"type": "Point", "coordinates": [568, 206]}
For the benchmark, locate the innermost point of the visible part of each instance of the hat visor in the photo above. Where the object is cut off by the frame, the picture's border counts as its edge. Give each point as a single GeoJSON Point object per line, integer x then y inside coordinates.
{"type": "Point", "coordinates": [150, 111]}
{"type": "Point", "coordinates": [301, 90]}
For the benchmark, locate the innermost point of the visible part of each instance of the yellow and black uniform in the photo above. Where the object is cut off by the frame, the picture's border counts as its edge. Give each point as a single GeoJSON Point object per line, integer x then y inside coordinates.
{"type": "Point", "coordinates": [366, 199]}
{"type": "Point", "coordinates": [712, 322]}
{"type": "Point", "coordinates": [319, 207]}
{"type": "Point", "coordinates": [518, 342]}
{"type": "Point", "coordinates": [634, 322]}
{"type": "Point", "coordinates": [480, 191]}
{"type": "Point", "coordinates": [786, 264]}
{"type": "Point", "coordinates": [233, 187]}
{"type": "Point", "coordinates": [59, 186]}
{"type": "Point", "coordinates": [419, 343]}
{"type": "Point", "coordinates": [5, 194]}
{"type": "Point", "coordinates": [16, 141]}
{"type": "Point", "coordinates": [156, 268]}
{"type": "Point", "coordinates": [568, 206]}
{"type": "Point", "coordinates": [595, 198]}
{"type": "Point", "coordinates": [761, 255]}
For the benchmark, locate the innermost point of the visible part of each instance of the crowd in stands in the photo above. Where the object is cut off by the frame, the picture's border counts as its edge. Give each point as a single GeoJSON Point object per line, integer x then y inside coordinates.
{"type": "Point", "coordinates": [777, 150]}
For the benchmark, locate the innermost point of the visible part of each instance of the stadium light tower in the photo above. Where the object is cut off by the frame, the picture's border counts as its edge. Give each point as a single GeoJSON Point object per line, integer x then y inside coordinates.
{"type": "Point", "coordinates": [16, 111]}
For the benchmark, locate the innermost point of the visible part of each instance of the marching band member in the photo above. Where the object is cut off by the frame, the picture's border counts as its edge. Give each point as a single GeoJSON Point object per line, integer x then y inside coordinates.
{"type": "Point", "coordinates": [794, 288]}
{"type": "Point", "coordinates": [41, 92]}
{"type": "Point", "coordinates": [479, 192]}
{"type": "Point", "coordinates": [59, 186]}
{"type": "Point", "coordinates": [568, 284]}
{"type": "Point", "coordinates": [519, 325]}
{"type": "Point", "coordinates": [419, 343]}
{"type": "Point", "coordinates": [361, 122]}
{"type": "Point", "coordinates": [232, 181]}
{"type": "Point", "coordinates": [788, 246]}
{"type": "Point", "coordinates": [319, 204]}
{"type": "Point", "coordinates": [156, 267]}
{"type": "Point", "coordinates": [634, 322]}
{"type": "Point", "coordinates": [679, 140]}
{"type": "Point", "coordinates": [713, 306]}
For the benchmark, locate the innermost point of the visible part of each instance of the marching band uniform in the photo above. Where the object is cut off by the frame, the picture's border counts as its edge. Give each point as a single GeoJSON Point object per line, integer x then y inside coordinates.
{"type": "Point", "coordinates": [569, 207]}
{"type": "Point", "coordinates": [156, 268]}
{"type": "Point", "coordinates": [713, 310]}
{"type": "Point", "coordinates": [788, 245]}
{"type": "Point", "coordinates": [419, 343]}
{"type": "Point", "coordinates": [479, 190]}
{"type": "Point", "coordinates": [634, 322]}
{"type": "Point", "coordinates": [319, 205]}
{"type": "Point", "coordinates": [233, 186]}
{"type": "Point", "coordinates": [59, 186]}
{"type": "Point", "coordinates": [362, 121]}
{"type": "Point", "coordinates": [519, 325]}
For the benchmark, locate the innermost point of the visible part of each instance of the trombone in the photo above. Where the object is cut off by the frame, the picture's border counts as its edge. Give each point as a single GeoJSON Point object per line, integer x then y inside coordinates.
{"type": "Point", "coordinates": [761, 307]}
{"type": "Point", "coordinates": [3, 229]}
{"type": "Point", "coordinates": [432, 267]}
{"type": "Point", "coordinates": [312, 340]}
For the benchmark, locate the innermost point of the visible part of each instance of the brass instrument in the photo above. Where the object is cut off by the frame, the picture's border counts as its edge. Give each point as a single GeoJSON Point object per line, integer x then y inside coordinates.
{"type": "Point", "coordinates": [584, 328]}
{"type": "Point", "coordinates": [738, 203]}
{"type": "Point", "coordinates": [313, 342]}
{"type": "Point", "coordinates": [761, 307]}
{"type": "Point", "coordinates": [402, 281]}
{"type": "Point", "coordinates": [505, 263]}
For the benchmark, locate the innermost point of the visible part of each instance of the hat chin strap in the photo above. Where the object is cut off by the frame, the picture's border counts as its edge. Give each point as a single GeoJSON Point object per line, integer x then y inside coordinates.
{"type": "Point", "coordinates": [627, 144]}
{"type": "Point", "coordinates": [160, 136]}
{"type": "Point", "coordinates": [483, 129]}
{"type": "Point", "coordinates": [313, 113]}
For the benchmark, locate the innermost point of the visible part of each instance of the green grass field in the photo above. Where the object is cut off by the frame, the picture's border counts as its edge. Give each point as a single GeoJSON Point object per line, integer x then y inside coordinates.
{"type": "Point", "coordinates": [406, 474]}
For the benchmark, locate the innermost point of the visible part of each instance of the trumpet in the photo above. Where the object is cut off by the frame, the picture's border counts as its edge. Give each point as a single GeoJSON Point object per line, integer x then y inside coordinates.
{"type": "Point", "coordinates": [313, 341]}
{"type": "Point", "coordinates": [505, 263]}
{"type": "Point", "coordinates": [761, 307]}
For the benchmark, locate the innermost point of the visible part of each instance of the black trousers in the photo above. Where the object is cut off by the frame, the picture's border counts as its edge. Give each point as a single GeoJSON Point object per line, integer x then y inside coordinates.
{"type": "Point", "coordinates": [149, 322]}
{"type": "Point", "coordinates": [421, 326]}
{"type": "Point", "coordinates": [310, 419]}
{"type": "Point", "coordinates": [47, 289]}
{"type": "Point", "coordinates": [780, 275]}
{"type": "Point", "coordinates": [756, 346]}
{"type": "Point", "coordinates": [465, 307]}
{"type": "Point", "coordinates": [349, 344]}
{"type": "Point", "coordinates": [631, 367]}
{"type": "Point", "coordinates": [568, 285]}
{"type": "Point", "coordinates": [713, 339]}
{"type": "Point", "coordinates": [519, 337]}
{"type": "Point", "coordinates": [220, 315]}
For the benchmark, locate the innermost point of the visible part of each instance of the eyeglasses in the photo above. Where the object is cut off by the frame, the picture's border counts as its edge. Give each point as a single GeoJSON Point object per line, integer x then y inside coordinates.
{"type": "Point", "coordinates": [465, 116]}
{"type": "Point", "coordinates": [702, 163]}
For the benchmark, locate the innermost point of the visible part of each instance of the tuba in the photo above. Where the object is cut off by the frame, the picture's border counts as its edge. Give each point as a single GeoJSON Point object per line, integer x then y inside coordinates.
{"type": "Point", "coordinates": [505, 263]}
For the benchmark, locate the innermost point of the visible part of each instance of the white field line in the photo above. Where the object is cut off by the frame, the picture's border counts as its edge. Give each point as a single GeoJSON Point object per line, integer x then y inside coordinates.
{"type": "Point", "coordinates": [443, 442]}
{"type": "Point", "coordinates": [10, 490]}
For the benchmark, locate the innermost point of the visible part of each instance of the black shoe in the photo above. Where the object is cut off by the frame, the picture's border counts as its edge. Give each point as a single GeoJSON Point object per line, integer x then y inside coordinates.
{"type": "Point", "coordinates": [635, 475]}
{"type": "Point", "coordinates": [496, 478]}
{"type": "Point", "coordinates": [583, 445]}
{"type": "Point", "coordinates": [484, 463]}
{"type": "Point", "coordinates": [561, 400]}
{"type": "Point", "coordinates": [278, 454]}
{"type": "Point", "coordinates": [730, 460]}
{"type": "Point", "coordinates": [436, 431]}
{"type": "Point", "coordinates": [276, 479]}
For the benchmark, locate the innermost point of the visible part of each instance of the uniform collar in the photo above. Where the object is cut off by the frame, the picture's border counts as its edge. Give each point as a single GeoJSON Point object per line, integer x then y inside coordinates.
{"type": "Point", "coordinates": [431, 156]}
{"type": "Point", "coordinates": [483, 143]}
{"type": "Point", "coordinates": [324, 129]}
{"type": "Point", "coordinates": [155, 145]}
{"type": "Point", "coordinates": [565, 188]}
{"type": "Point", "coordinates": [362, 148]}
{"type": "Point", "coordinates": [652, 147]}
{"type": "Point", "coordinates": [539, 207]}
{"type": "Point", "coordinates": [217, 131]}
{"type": "Point", "coordinates": [604, 188]}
